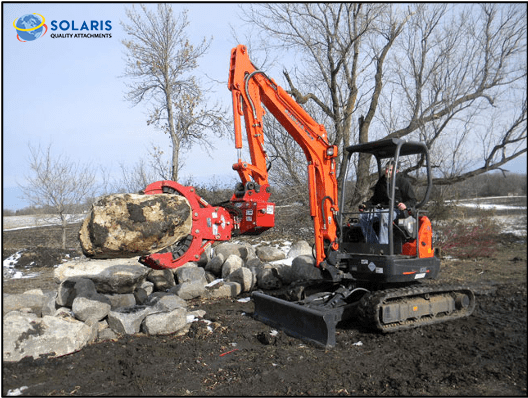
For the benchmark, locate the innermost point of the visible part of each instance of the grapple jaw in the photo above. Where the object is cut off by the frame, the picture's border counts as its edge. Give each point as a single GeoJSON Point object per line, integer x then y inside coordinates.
{"type": "Point", "coordinates": [209, 224]}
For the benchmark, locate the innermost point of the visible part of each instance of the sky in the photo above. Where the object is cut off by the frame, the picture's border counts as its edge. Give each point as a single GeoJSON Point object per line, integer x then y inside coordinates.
{"type": "Point", "coordinates": [68, 92]}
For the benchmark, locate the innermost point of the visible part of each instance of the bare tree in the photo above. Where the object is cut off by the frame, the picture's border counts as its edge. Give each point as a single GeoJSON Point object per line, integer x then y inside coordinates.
{"type": "Point", "coordinates": [136, 177]}
{"type": "Point", "coordinates": [452, 75]}
{"type": "Point", "coordinates": [160, 60]}
{"type": "Point", "coordinates": [58, 183]}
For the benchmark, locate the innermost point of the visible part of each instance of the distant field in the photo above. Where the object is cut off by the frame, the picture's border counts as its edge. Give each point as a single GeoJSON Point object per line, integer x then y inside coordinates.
{"type": "Point", "coordinates": [18, 222]}
{"type": "Point", "coordinates": [501, 205]}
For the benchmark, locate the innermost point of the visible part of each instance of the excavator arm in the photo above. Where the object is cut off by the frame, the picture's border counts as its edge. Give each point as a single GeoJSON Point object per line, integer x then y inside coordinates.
{"type": "Point", "coordinates": [251, 89]}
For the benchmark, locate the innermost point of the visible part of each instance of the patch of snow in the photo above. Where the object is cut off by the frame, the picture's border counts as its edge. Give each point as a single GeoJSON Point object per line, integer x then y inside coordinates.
{"type": "Point", "coordinates": [12, 260]}
{"type": "Point", "coordinates": [284, 261]}
{"type": "Point", "coordinates": [10, 272]}
{"type": "Point", "coordinates": [214, 282]}
{"type": "Point", "coordinates": [244, 300]}
{"type": "Point", "coordinates": [17, 391]}
{"type": "Point", "coordinates": [487, 206]}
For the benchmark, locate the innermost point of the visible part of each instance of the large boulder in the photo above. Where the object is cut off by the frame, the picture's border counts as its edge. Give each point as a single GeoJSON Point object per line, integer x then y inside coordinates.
{"type": "Point", "coordinates": [129, 225]}
{"type": "Point", "coordinates": [28, 335]}
{"type": "Point", "coordinates": [119, 276]}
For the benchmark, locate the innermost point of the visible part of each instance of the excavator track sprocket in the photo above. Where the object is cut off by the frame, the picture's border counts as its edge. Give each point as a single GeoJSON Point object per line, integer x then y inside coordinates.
{"type": "Point", "coordinates": [398, 309]}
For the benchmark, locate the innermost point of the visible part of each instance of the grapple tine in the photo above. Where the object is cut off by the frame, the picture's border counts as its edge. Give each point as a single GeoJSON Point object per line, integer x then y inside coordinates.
{"type": "Point", "coordinates": [297, 320]}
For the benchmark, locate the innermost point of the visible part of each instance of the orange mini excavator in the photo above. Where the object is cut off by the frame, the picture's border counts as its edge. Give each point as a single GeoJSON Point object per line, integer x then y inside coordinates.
{"type": "Point", "coordinates": [380, 284]}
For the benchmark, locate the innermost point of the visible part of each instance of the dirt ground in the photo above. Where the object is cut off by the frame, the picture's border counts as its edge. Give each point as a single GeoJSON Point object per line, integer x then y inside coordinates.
{"type": "Point", "coordinates": [484, 354]}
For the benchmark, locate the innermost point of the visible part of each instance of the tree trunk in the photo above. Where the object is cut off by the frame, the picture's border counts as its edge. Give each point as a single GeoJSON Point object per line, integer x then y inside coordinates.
{"type": "Point", "coordinates": [64, 224]}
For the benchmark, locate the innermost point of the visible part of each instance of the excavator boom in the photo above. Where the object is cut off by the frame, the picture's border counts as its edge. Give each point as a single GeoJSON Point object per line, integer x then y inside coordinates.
{"type": "Point", "coordinates": [251, 88]}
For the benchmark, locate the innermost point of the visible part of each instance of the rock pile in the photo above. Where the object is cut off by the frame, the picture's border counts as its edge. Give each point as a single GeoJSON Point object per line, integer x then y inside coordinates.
{"type": "Point", "coordinates": [102, 299]}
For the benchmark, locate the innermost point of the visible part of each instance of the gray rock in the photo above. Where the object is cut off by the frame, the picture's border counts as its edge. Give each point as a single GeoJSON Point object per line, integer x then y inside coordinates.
{"type": "Point", "coordinates": [232, 263]}
{"type": "Point", "coordinates": [303, 268]}
{"type": "Point", "coordinates": [190, 264]}
{"type": "Point", "coordinates": [268, 253]}
{"type": "Point", "coordinates": [209, 277]}
{"type": "Point", "coordinates": [169, 302]}
{"type": "Point", "coordinates": [244, 277]}
{"type": "Point", "coordinates": [84, 288]}
{"type": "Point", "coordinates": [189, 290]}
{"type": "Point", "coordinates": [106, 334]}
{"type": "Point", "coordinates": [162, 279]}
{"type": "Point", "coordinates": [26, 335]}
{"type": "Point", "coordinates": [148, 287]}
{"type": "Point", "coordinates": [191, 274]}
{"type": "Point", "coordinates": [300, 248]}
{"type": "Point", "coordinates": [250, 253]}
{"type": "Point", "coordinates": [95, 307]}
{"type": "Point", "coordinates": [223, 289]}
{"type": "Point", "coordinates": [66, 293]}
{"type": "Point", "coordinates": [15, 302]}
{"type": "Point", "coordinates": [50, 305]}
{"type": "Point", "coordinates": [285, 273]}
{"type": "Point", "coordinates": [268, 278]}
{"type": "Point", "coordinates": [128, 320]}
{"type": "Point", "coordinates": [155, 297]}
{"type": "Point", "coordinates": [110, 276]}
{"type": "Point", "coordinates": [226, 249]}
{"type": "Point", "coordinates": [143, 292]}
{"type": "Point", "coordinates": [253, 263]}
{"type": "Point", "coordinates": [141, 296]}
{"type": "Point", "coordinates": [205, 256]}
{"type": "Point", "coordinates": [63, 312]}
{"type": "Point", "coordinates": [122, 300]}
{"type": "Point", "coordinates": [165, 323]}
{"type": "Point", "coordinates": [215, 265]}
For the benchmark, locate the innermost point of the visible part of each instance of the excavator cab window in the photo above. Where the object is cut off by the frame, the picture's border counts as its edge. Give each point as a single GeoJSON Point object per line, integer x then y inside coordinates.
{"type": "Point", "coordinates": [410, 156]}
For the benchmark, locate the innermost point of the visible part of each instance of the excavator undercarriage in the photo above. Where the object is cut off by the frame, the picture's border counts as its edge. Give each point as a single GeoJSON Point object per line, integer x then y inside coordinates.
{"type": "Point", "coordinates": [316, 317]}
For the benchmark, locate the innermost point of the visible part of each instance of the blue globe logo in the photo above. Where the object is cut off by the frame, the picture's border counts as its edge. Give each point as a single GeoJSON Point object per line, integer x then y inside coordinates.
{"type": "Point", "coordinates": [30, 27]}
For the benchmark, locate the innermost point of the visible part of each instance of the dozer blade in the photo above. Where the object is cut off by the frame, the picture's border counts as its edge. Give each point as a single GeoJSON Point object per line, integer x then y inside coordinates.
{"type": "Point", "coordinates": [297, 320]}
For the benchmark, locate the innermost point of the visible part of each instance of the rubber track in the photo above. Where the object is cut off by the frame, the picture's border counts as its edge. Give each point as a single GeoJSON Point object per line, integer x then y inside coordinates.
{"type": "Point", "coordinates": [369, 306]}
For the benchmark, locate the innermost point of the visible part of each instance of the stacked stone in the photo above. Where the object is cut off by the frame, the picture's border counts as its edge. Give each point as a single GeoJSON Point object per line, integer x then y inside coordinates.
{"type": "Point", "coordinates": [103, 299]}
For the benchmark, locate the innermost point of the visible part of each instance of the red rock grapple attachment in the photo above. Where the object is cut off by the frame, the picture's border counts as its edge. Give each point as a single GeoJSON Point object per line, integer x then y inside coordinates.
{"type": "Point", "coordinates": [248, 212]}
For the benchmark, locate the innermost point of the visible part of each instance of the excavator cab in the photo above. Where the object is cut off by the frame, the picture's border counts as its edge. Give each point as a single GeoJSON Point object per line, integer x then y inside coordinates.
{"type": "Point", "coordinates": [409, 253]}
